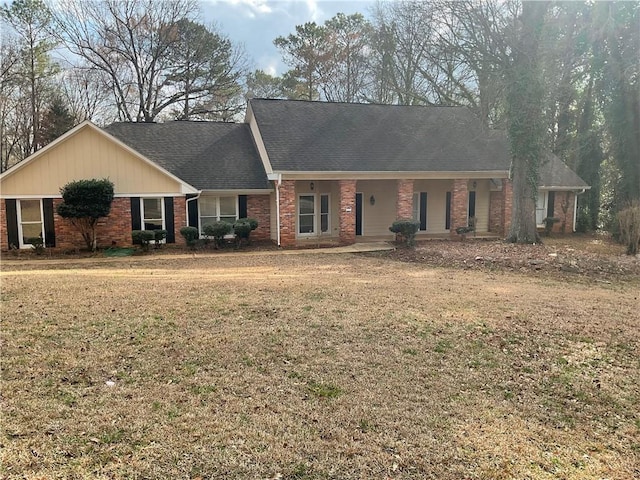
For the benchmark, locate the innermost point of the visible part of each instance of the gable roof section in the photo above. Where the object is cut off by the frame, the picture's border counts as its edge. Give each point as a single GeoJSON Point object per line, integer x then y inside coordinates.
{"type": "Point", "coordinates": [304, 136]}
{"type": "Point", "coordinates": [81, 131]}
{"type": "Point", "coordinates": [207, 155]}
{"type": "Point", "coordinates": [556, 175]}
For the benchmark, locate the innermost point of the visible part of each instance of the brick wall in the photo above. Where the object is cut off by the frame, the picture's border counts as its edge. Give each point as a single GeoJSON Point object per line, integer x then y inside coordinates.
{"type": "Point", "coordinates": [566, 200]}
{"type": "Point", "coordinates": [507, 204]}
{"type": "Point", "coordinates": [179, 218]}
{"type": "Point", "coordinates": [495, 212]}
{"type": "Point", "coordinates": [259, 207]}
{"type": "Point", "coordinates": [459, 204]}
{"type": "Point", "coordinates": [287, 194]}
{"type": "Point", "coordinates": [347, 211]}
{"type": "Point", "coordinates": [112, 230]}
{"type": "Point", "coordinates": [4, 240]}
{"type": "Point", "coordinates": [404, 199]}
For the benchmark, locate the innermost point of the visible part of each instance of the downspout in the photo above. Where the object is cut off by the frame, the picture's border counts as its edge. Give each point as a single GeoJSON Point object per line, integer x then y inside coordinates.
{"type": "Point", "coordinates": [575, 208]}
{"type": "Point", "coordinates": [278, 181]}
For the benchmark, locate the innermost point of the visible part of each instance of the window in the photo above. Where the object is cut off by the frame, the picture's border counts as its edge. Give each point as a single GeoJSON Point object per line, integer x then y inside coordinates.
{"type": "Point", "coordinates": [214, 209]}
{"type": "Point", "coordinates": [541, 207]}
{"type": "Point", "coordinates": [419, 209]}
{"type": "Point", "coordinates": [415, 213]}
{"type": "Point", "coordinates": [324, 213]}
{"type": "Point", "coordinates": [306, 214]}
{"type": "Point", "coordinates": [152, 213]}
{"type": "Point", "coordinates": [30, 223]}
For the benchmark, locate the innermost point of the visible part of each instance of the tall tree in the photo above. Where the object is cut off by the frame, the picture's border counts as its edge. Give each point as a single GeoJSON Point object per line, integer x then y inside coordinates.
{"type": "Point", "coordinates": [525, 121]}
{"type": "Point", "coordinates": [306, 53]}
{"type": "Point", "coordinates": [131, 42]}
{"type": "Point", "coordinates": [56, 121]}
{"type": "Point", "coordinates": [205, 70]}
{"type": "Point", "coordinates": [30, 19]}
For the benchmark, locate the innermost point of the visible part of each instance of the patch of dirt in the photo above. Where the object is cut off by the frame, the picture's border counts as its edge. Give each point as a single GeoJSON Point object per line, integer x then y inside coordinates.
{"type": "Point", "coordinates": [593, 257]}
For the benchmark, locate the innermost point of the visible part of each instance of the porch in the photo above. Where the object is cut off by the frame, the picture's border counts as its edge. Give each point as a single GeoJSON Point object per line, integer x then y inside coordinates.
{"type": "Point", "coordinates": [316, 213]}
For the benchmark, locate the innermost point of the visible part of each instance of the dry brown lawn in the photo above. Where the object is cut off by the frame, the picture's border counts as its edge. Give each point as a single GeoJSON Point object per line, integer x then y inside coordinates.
{"type": "Point", "coordinates": [315, 366]}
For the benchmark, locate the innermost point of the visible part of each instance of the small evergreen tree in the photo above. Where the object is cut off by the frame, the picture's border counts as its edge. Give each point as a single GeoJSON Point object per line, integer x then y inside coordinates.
{"type": "Point", "coordinates": [84, 202]}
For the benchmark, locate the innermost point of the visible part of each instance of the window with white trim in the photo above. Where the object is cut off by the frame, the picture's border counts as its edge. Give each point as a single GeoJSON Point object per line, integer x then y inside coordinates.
{"type": "Point", "coordinates": [541, 207]}
{"type": "Point", "coordinates": [325, 218]}
{"type": "Point", "coordinates": [214, 209]}
{"type": "Point", "coordinates": [307, 214]}
{"type": "Point", "coordinates": [152, 213]}
{"type": "Point", "coordinates": [30, 224]}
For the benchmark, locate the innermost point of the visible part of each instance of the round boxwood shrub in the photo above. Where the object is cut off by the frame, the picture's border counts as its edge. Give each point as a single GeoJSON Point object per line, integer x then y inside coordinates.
{"type": "Point", "coordinates": [217, 231]}
{"type": "Point", "coordinates": [406, 229]}
{"type": "Point", "coordinates": [190, 235]}
{"type": "Point", "coordinates": [143, 238]}
{"type": "Point", "coordinates": [243, 228]}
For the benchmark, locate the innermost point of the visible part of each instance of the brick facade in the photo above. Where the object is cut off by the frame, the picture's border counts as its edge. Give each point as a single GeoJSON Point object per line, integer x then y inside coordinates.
{"type": "Point", "coordinates": [495, 212]}
{"type": "Point", "coordinates": [563, 210]}
{"type": "Point", "coordinates": [347, 211]}
{"type": "Point", "coordinates": [114, 230]}
{"type": "Point", "coordinates": [259, 207]}
{"type": "Point", "coordinates": [404, 199]}
{"type": "Point", "coordinates": [459, 204]}
{"type": "Point", "coordinates": [287, 200]}
{"type": "Point", "coordinates": [179, 218]}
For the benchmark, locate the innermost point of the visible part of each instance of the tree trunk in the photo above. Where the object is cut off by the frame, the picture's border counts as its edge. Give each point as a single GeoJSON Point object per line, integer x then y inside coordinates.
{"type": "Point", "coordinates": [526, 123]}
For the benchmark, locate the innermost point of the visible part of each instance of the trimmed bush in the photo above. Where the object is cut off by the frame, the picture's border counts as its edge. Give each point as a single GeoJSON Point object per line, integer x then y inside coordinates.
{"type": "Point", "coordinates": [37, 243]}
{"type": "Point", "coordinates": [629, 224]}
{"type": "Point", "coordinates": [143, 238]}
{"type": "Point", "coordinates": [217, 231]}
{"type": "Point", "coordinates": [243, 228]}
{"type": "Point", "coordinates": [159, 236]}
{"type": "Point", "coordinates": [190, 235]}
{"type": "Point", "coordinates": [406, 229]}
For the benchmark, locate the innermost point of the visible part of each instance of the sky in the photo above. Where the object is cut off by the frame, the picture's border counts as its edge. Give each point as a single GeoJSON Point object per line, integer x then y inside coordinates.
{"type": "Point", "coordinates": [256, 23]}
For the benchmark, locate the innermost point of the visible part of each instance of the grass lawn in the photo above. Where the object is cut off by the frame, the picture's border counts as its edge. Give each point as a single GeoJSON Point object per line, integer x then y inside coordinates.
{"type": "Point", "coordinates": [315, 366]}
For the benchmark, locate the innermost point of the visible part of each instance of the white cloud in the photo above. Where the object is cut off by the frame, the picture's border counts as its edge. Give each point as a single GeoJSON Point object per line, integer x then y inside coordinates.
{"type": "Point", "coordinates": [250, 8]}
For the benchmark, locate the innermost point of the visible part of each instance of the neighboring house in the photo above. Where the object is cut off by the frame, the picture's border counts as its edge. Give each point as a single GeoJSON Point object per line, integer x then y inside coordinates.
{"type": "Point", "coordinates": [305, 170]}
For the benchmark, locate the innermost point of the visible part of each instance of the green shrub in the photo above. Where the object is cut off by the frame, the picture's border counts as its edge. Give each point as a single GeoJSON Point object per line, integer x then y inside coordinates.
{"type": "Point", "coordinates": [190, 235]}
{"type": "Point", "coordinates": [37, 243]}
{"type": "Point", "coordinates": [629, 224]}
{"type": "Point", "coordinates": [406, 229]}
{"type": "Point", "coordinates": [548, 225]}
{"type": "Point", "coordinates": [243, 228]}
{"type": "Point", "coordinates": [159, 236]}
{"type": "Point", "coordinates": [143, 238]}
{"type": "Point", "coordinates": [217, 231]}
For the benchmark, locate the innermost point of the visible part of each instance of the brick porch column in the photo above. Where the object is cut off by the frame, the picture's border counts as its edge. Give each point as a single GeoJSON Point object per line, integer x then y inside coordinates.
{"type": "Point", "coordinates": [179, 218]}
{"type": "Point", "coordinates": [459, 204]}
{"type": "Point", "coordinates": [287, 200]}
{"type": "Point", "coordinates": [507, 205]}
{"type": "Point", "coordinates": [404, 199]}
{"type": "Point", "coordinates": [347, 211]}
{"type": "Point", "coordinates": [259, 207]}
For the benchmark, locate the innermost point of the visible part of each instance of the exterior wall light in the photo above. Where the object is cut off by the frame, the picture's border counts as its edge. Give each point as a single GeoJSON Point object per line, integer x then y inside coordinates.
{"type": "Point", "coordinates": [372, 200]}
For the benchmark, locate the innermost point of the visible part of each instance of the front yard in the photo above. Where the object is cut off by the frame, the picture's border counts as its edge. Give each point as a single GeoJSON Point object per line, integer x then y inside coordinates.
{"type": "Point", "coordinates": [317, 366]}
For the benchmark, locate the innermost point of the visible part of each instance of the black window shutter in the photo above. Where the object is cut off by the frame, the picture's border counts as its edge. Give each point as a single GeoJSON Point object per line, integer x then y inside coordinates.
{"type": "Point", "coordinates": [472, 203]}
{"type": "Point", "coordinates": [192, 207]}
{"type": "Point", "coordinates": [12, 222]}
{"type": "Point", "coordinates": [49, 229]}
{"type": "Point", "coordinates": [169, 220]}
{"type": "Point", "coordinates": [423, 210]}
{"type": "Point", "coordinates": [447, 215]}
{"type": "Point", "coordinates": [136, 221]}
{"type": "Point", "coordinates": [242, 206]}
{"type": "Point", "coordinates": [550, 204]}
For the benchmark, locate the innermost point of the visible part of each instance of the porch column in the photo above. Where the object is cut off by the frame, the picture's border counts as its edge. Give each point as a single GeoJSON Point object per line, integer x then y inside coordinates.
{"type": "Point", "coordinates": [507, 205]}
{"type": "Point", "coordinates": [459, 204]}
{"type": "Point", "coordinates": [404, 199]}
{"type": "Point", "coordinates": [347, 211]}
{"type": "Point", "coordinates": [287, 206]}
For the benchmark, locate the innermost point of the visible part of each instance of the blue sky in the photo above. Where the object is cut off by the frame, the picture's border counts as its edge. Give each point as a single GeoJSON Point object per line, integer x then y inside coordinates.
{"type": "Point", "coordinates": [256, 23]}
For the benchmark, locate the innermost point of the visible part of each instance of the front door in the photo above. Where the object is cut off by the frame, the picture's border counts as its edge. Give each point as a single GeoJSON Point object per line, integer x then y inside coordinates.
{"type": "Point", "coordinates": [359, 214]}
